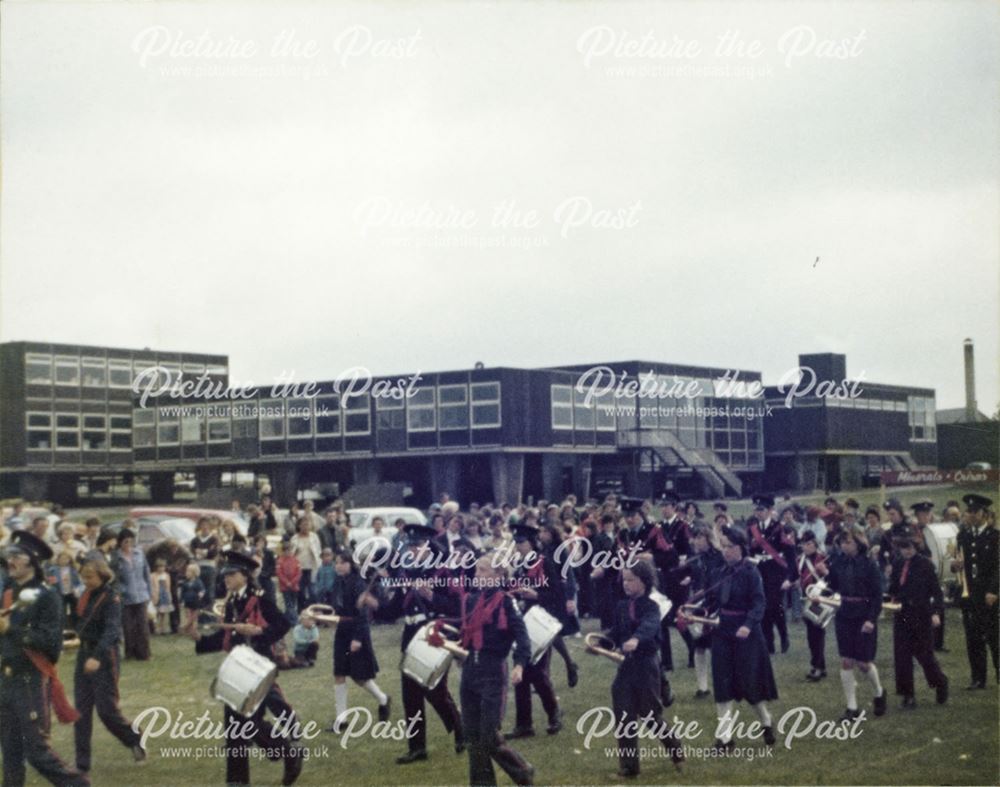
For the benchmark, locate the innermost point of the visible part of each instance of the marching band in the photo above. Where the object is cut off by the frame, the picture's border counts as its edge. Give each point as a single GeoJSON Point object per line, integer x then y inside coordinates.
{"type": "Point", "coordinates": [723, 587]}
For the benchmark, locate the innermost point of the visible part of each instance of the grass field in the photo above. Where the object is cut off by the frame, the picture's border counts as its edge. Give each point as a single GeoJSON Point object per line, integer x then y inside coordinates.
{"type": "Point", "coordinates": [952, 744]}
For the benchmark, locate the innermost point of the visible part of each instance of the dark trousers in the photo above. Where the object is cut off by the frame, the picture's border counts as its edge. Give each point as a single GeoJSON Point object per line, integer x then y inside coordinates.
{"type": "Point", "coordinates": [774, 616]}
{"type": "Point", "coordinates": [24, 733]}
{"type": "Point", "coordinates": [305, 588]}
{"type": "Point", "coordinates": [913, 638]}
{"type": "Point", "coordinates": [536, 676]}
{"type": "Point", "coordinates": [135, 631]}
{"type": "Point", "coordinates": [816, 637]}
{"type": "Point", "coordinates": [634, 696]}
{"type": "Point", "coordinates": [207, 575]}
{"type": "Point", "coordinates": [275, 746]}
{"type": "Point", "coordinates": [440, 699]}
{"type": "Point", "coordinates": [981, 631]}
{"type": "Point", "coordinates": [98, 689]}
{"type": "Point", "coordinates": [939, 631]}
{"type": "Point", "coordinates": [483, 692]}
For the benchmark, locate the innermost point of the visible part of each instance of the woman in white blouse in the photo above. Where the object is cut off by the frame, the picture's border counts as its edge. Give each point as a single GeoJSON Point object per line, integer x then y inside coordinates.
{"type": "Point", "coordinates": [307, 549]}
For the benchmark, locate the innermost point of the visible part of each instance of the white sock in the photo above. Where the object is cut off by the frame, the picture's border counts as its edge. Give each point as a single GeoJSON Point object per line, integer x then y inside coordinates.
{"type": "Point", "coordinates": [763, 713]}
{"type": "Point", "coordinates": [873, 677]}
{"type": "Point", "coordinates": [701, 668]}
{"type": "Point", "coordinates": [850, 685]}
{"type": "Point", "coordinates": [724, 731]}
{"type": "Point", "coordinates": [372, 688]}
{"type": "Point", "coordinates": [340, 699]}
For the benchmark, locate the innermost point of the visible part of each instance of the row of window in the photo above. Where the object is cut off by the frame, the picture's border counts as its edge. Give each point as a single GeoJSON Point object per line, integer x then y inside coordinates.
{"type": "Point", "coordinates": [923, 418]}
{"type": "Point", "coordinates": [571, 410]}
{"type": "Point", "coordinates": [95, 372]}
{"type": "Point", "coordinates": [73, 431]}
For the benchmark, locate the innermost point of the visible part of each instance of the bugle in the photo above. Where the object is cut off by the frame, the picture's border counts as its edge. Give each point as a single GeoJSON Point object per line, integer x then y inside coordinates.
{"type": "Point", "coordinates": [691, 614]}
{"type": "Point", "coordinates": [598, 649]}
{"type": "Point", "coordinates": [960, 558]}
{"type": "Point", "coordinates": [70, 639]}
{"type": "Point", "coordinates": [323, 613]}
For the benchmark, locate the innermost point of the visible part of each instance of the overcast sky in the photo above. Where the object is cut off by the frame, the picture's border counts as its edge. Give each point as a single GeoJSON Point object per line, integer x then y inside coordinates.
{"type": "Point", "coordinates": [169, 181]}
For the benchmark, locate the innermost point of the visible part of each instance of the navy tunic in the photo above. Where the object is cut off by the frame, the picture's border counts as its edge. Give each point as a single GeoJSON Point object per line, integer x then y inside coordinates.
{"type": "Point", "coordinates": [859, 583]}
{"type": "Point", "coordinates": [741, 668]}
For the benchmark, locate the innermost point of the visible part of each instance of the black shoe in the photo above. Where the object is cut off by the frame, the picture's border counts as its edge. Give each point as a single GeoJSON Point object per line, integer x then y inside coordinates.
{"type": "Point", "coordinates": [785, 645]}
{"type": "Point", "coordinates": [666, 693]}
{"type": "Point", "coordinates": [572, 674]}
{"type": "Point", "coordinates": [880, 704]}
{"type": "Point", "coordinates": [909, 703]}
{"type": "Point", "coordinates": [555, 723]}
{"type": "Point", "coordinates": [727, 746]}
{"type": "Point", "coordinates": [976, 684]}
{"type": "Point", "coordinates": [139, 753]}
{"type": "Point", "coordinates": [690, 662]}
{"type": "Point", "coordinates": [769, 735]}
{"type": "Point", "coordinates": [527, 776]}
{"type": "Point", "coordinates": [701, 694]}
{"type": "Point", "coordinates": [674, 748]}
{"type": "Point", "coordinates": [941, 692]}
{"type": "Point", "coordinates": [822, 674]}
{"type": "Point", "coordinates": [627, 773]}
{"type": "Point", "coordinates": [849, 715]}
{"type": "Point", "coordinates": [293, 766]}
{"type": "Point", "coordinates": [412, 756]}
{"type": "Point", "coordinates": [812, 676]}
{"type": "Point", "coordinates": [520, 732]}
{"type": "Point", "coordinates": [459, 745]}
{"type": "Point", "coordinates": [383, 710]}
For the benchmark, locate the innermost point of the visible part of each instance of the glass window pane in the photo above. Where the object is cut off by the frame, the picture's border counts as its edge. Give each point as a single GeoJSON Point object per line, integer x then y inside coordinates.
{"type": "Point", "coordinates": [452, 394]}
{"type": "Point", "coordinates": [454, 417]}
{"type": "Point", "coordinates": [38, 371]}
{"type": "Point", "coordinates": [67, 439]}
{"type": "Point", "coordinates": [67, 421]}
{"type": "Point", "coordinates": [421, 396]}
{"type": "Point", "coordinates": [38, 438]}
{"type": "Point", "coordinates": [486, 392]}
{"type": "Point", "coordinates": [562, 394]}
{"type": "Point", "coordinates": [485, 415]}
{"type": "Point", "coordinates": [120, 441]}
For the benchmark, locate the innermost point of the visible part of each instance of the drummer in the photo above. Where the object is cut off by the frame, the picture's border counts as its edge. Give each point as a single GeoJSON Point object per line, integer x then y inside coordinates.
{"type": "Point", "coordinates": [420, 598]}
{"type": "Point", "coordinates": [258, 623]}
{"type": "Point", "coordinates": [809, 575]}
{"type": "Point", "coordinates": [538, 581]}
{"type": "Point", "coordinates": [706, 561]}
{"type": "Point", "coordinates": [99, 627]}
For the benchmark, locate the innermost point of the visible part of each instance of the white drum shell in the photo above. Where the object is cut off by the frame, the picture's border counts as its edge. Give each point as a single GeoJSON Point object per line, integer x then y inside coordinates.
{"type": "Point", "coordinates": [662, 602]}
{"type": "Point", "coordinates": [543, 628]}
{"type": "Point", "coordinates": [244, 679]}
{"type": "Point", "coordinates": [942, 540]}
{"type": "Point", "coordinates": [423, 662]}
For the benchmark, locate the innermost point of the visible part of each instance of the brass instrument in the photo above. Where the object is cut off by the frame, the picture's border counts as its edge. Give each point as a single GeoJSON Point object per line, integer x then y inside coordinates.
{"type": "Point", "coordinates": [323, 613]}
{"type": "Point", "coordinates": [962, 578]}
{"type": "Point", "coordinates": [688, 611]}
{"type": "Point", "coordinates": [594, 637]}
{"type": "Point", "coordinates": [452, 647]}
{"type": "Point", "coordinates": [818, 590]}
{"type": "Point", "coordinates": [70, 639]}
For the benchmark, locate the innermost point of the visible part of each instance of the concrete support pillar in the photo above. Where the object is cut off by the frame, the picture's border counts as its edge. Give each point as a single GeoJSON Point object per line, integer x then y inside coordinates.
{"type": "Point", "coordinates": [581, 477]}
{"type": "Point", "coordinates": [284, 484]}
{"type": "Point", "coordinates": [445, 477]}
{"type": "Point", "coordinates": [161, 487]}
{"type": "Point", "coordinates": [62, 488]}
{"type": "Point", "coordinates": [851, 472]}
{"type": "Point", "coordinates": [34, 487]}
{"type": "Point", "coordinates": [553, 466]}
{"type": "Point", "coordinates": [365, 471]}
{"type": "Point", "coordinates": [507, 471]}
{"type": "Point", "coordinates": [206, 478]}
{"type": "Point", "coordinates": [805, 472]}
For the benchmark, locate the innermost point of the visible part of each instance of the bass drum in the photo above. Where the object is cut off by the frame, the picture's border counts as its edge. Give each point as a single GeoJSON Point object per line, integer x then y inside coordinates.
{"type": "Point", "coordinates": [942, 540]}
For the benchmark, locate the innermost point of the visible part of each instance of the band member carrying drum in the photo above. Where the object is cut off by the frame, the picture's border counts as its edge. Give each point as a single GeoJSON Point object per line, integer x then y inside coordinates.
{"type": "Point", "coordinates": [418, 600]}
{"type": "Point", "coordinates": [915, 585]}
{"type": "Point", "coordinates": [255, 621]}
{"type": "Point", "coordinates": [856, 578]}
{"type": "Point", "coordinates": [741, 666]}
{"type": "Point", "coordinates": [809, 575]}
{"type": "Point", "coordinates": [977, 565]}
{"type": "Point", "coordinates": [706, 562]}
{"type": "Point", "coordinates": [353, 654]}
{"type": "Point", "coordinates": [539, 582]}
{"type": "Point", "coordinates": [635, 691]}
{"type": "Point", "coordinates": [95, 684]}
{"type": "Point", "coordinates": [491, 624]}
{"type": "Point", "coordinates": [31, 637]}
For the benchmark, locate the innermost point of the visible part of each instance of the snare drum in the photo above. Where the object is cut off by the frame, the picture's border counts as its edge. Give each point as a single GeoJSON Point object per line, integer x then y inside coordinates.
{"type": "Point", "coordinates": [662, 602]}
{"type": "Point", "coordinates": [244, 679]}
{"type": "Point", "coordinates": [423, 662]}
{"type": "Point", "coordinates": [542, 631]}
{"type": "Point", "coordinates": [942, 539]}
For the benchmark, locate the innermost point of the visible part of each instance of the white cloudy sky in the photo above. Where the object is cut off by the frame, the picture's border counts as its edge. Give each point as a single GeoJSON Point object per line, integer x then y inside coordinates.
{"type": "Point", "coordinates": [231, 211]}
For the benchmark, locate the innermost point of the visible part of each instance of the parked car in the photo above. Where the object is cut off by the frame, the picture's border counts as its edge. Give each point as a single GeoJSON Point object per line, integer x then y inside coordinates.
{"type": "Point", "coordinates": [361, 522]}
{"type": "Point", "coordinates": [189, 513]}
{"type": "Point", "coordinates": [979, 466]}
{"type": "Point", "coordinates": [154, 528]}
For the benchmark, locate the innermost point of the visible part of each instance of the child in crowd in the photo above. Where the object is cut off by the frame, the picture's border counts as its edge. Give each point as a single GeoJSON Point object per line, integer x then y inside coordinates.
{"type": "Point", "coordinates": [306, 639]}
{"type": "Point", "coordinates": [160, 582]}
{"type": "Point", "coordinates": [192, 595]}
{"type": "Point", "coordinates": [65, 579]}
{"type": "Point", "coordinates": [289, 575]}
{"type": "Point", "coordinates": [325, 575]}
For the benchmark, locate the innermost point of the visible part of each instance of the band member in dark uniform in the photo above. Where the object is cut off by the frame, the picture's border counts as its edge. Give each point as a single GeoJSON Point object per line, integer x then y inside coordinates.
{"type": "Point", "coordinates": [650, 539]}
{"type": "Point", "coordinates": [741, 666]}
{"type": "Point", "coordinates": [856, 577]}
{"type": "Point", "coordinates": [635, 691]}
{"type": "Point", "coordinates": [353, 654]}
{"type": "Point", "coordinates": [707, 560]}
{"type": "Point", "coordinates": [677, 534]}
{"type": "Point", "coordinates": [419, 599]}
{"type": "Point", "coordinates": [99, 627]}
{"type": "Point", "coordinates": [769, 541]}
{"type": "Point", "coordinates": [550, 537]}
{"type": "Point", "coordinates": [809, 575]}
{"type": "Point", "coordinates": [491, 624]}
{"type": "Point", "coordinates": [914, 584]}
{"type": "Point", "coordinates": [979, 558]}
{"type": "Point", "coordinates": [259, 624]}
{"type": "Point", "coordinates": [30, 642]}
{"type": "Point", "coordinates": [922, 511]}
{"type": "Point", "coordinates": [539, 582]}
{"type": "Point", "coordinates": [605, 579]}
